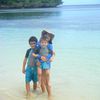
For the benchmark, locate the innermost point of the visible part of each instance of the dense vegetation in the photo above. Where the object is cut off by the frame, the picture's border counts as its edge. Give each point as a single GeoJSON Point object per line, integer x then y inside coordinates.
{"type": "Point", "coordinates": [29, 3]}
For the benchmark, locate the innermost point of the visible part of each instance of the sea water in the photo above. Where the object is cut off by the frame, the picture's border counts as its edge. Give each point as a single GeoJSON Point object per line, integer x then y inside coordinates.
{"type": "Point", "coordinates": [75, 72]}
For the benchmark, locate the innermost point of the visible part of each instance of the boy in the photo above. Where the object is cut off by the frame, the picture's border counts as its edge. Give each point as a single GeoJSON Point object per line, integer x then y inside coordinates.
{"type": "Point", "coordinates": [45, 65]}
{"type": "Point", "coordinates": [31, 69]}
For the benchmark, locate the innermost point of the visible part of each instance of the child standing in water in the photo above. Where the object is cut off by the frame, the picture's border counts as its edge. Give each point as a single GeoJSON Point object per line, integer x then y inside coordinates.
{"type": "Point", "coordinates": [50, 37]}
{"type": "Point", "coordinates": [31, 69]}
{"type": "Point", "coordinates": [45, 52]}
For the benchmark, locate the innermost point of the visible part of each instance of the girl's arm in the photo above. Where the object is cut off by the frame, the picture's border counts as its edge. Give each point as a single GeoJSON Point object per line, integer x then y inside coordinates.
{"type": "Point", "coordinates": [52, 57]}
{"type": "Point", "coordinates": [50, 46]}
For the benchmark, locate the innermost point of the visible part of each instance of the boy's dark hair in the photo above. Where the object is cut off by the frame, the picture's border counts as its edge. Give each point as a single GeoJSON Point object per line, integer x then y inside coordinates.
{"type": "Point", "coordinates": [33, 38]}
{"type": "Point", "coordinates": [47, 34]}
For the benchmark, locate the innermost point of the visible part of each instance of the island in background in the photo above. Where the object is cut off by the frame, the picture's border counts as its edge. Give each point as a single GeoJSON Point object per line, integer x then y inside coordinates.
{"type": "Point", "coordinates": [29, 3]}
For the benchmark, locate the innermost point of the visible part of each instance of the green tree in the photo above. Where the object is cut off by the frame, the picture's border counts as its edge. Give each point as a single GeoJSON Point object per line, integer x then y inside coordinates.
{"type": "Point", "coordinates": [29, 3]}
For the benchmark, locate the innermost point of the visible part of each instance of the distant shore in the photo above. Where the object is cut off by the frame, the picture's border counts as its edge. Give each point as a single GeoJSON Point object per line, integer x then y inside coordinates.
{"type": "Point", "coordinates": [53, 6]}
{"type": "Point", "coordinates": [20, 7]}
{"type": "Point", "coordinates": [12, 4]}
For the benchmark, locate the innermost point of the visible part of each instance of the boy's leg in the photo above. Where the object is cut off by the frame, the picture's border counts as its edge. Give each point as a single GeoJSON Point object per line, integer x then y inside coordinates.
{"type": "Point", "coordinates": [47, 77]}
{"type": "Point", "coordinates": [28, 88]}
{"type": "Point", "coordinates": [28, 79]}
{"type": "Point", "coordinates": [34, 77]}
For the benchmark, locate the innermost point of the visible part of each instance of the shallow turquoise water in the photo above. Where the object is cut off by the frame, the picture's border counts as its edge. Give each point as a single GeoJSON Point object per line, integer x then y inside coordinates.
{"type": "Point", "coordinates": [75, 73]}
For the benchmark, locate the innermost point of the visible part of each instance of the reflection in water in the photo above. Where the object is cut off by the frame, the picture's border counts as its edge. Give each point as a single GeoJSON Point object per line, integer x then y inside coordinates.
{"type": "Point", "coordinates": [28, 15]}
{"type": "Point", "coordinates": [72, 18]}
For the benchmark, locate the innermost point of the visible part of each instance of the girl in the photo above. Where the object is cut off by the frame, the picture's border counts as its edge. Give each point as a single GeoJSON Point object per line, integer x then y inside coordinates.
{"type": "Point", "coordinates": [45, 55]}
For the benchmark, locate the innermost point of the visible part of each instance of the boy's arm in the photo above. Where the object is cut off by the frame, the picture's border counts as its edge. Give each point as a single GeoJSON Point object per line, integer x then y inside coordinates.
{"type": "Point", "coordinates": [25, 60]}
{"type": "Point", "coordinates": [24, 64]}
{"type": "Point", "coordinates": [35, 55]}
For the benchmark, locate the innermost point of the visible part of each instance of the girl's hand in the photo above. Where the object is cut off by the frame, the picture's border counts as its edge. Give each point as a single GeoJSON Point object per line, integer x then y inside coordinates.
{"type": "Point", "coordinates": [51, 59]}
{"type": "Point", "coordinates": [43, 58]}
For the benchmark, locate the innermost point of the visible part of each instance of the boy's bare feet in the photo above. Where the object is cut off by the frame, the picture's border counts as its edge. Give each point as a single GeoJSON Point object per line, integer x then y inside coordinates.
{"type": "Point", "coordinates": [29, 94]}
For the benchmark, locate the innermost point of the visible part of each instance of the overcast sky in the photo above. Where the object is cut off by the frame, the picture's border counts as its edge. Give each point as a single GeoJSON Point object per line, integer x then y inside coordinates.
{"type": "Point", "coordinates": [77, 2]}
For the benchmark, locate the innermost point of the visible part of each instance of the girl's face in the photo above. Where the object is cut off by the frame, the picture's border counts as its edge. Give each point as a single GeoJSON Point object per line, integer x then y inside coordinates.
{"type": "Point", "coordinates": [44, 43]}
{"type": "Point", "coordinates": [47, 36]}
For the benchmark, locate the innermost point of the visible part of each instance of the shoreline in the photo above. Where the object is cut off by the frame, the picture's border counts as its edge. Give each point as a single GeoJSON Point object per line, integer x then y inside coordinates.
{"type": "Point", "coordinates": [1, 8]}
{"type": "Point", "coordinates": [55, 6]}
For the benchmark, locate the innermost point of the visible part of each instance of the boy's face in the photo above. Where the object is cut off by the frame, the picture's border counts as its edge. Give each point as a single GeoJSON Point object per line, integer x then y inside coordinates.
{"type": "Point", "coordinates": [44, 43]}
{"type": "Point", "coordinates": [32, 44]}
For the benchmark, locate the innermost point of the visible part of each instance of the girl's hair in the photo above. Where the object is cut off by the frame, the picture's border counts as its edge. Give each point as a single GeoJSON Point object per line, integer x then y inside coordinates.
{"type": "Point", "coordinates": [44, 38]}
{"type": "Point", "coordinates": [48, 35]}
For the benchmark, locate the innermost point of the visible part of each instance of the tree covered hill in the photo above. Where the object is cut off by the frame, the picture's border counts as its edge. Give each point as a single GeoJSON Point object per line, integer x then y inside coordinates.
{"type": "Point", "coordinates": [29, 3]}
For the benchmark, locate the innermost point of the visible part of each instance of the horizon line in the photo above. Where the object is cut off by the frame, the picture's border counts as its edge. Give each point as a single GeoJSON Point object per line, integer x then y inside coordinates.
{"type": "Point", "coordinates": [78, 4]}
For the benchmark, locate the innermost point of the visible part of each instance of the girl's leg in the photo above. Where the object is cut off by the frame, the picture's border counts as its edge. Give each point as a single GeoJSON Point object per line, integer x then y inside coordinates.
{"type": "Point", "coordinates": [41, 79]}
{"type": "Point", "coordinates": [39, 71]}
{"type": "Point", "coordinates": [35, 86]}
{"type": "Point", "coordinates": [43, 82]}
{"type": "Point", "coordinates": [47, 78]}
{"type": "Point", "coordinates": [39, 75]}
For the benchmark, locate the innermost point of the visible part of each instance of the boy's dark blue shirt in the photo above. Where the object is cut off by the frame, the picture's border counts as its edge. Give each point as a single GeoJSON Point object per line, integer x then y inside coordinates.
{"type": "Point", "coordinates": [28, 51]}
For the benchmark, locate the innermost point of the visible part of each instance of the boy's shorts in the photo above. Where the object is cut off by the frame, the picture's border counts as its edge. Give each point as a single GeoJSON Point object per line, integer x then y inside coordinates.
{"type": "Point", "coordinates": [45, 65]}
{"type": "Point", "coordinates": [31, 74]}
